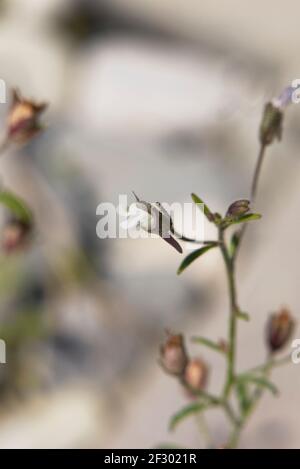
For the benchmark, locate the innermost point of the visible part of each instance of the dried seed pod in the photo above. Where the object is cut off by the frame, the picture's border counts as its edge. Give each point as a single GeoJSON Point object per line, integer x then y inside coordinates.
{"type": "Point", "coordinates": [23, 119]}
{"type": "Point", "coordinates": [237, 208]}
{"type": "Point", "coordinates": [195, 375]}
{"type": "Point", "coordinates": [173, 356]}
{"type": "Point", "coordinates": [279, 329]}
{"type": "Point", "coordinates": [271, 125]}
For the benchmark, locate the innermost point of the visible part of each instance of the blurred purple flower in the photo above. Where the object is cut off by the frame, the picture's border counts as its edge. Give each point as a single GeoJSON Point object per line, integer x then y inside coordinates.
{"type": "Point", "coordinates": [287, 96]}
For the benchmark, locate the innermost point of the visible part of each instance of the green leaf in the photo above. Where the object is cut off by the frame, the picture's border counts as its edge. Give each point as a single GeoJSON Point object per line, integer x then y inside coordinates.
{"type": "Point", "coordinates": [234, 243]}
{"type": "Point", "coordinates": [208, 343]}
{"type": "Point", "coordinates": [242, 393]}
{"type": "Point", "coordinates": [242, 219]}
{"type": "Point", "coordinates": [193, 256]}
{"type": "Point", "coordinates": [265, 383]}
{"type": "Point", "coordinates": [206, 210]}
{"type": "Point", "coordinates": [16, 205]}
{"type": "Point", "coordinates": [187, 411]}
{"type": "Point", "coordinates": [260, 381]}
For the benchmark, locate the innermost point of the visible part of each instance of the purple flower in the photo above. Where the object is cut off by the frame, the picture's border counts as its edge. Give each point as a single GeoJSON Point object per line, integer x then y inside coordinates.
{"type": "Point", "coordinates": [288, 96]}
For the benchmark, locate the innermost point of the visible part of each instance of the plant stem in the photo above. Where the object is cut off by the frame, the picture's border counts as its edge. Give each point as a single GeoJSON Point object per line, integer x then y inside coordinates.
{"type": "Point", "coordinates": [257, 172]}
{"type": "Point", "coordinates": [257, 395]}
{"type": "Point", "coordinates": [233, 441]}
{"type": "Point", "coordinates": [230, 413]}
{"type": "Point", "coordinates": [253, 193]}
{"type": "Point", "coordinates": [229, 264]}
{"type": "Point", "coordinates": [234, 437]}
{"type": "Point", "coordinates": [271, 363]}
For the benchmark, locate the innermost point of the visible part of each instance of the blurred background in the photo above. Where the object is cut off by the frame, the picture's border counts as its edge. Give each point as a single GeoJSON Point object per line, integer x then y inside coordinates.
{"type": "Point", "coordinates": [163, 97]}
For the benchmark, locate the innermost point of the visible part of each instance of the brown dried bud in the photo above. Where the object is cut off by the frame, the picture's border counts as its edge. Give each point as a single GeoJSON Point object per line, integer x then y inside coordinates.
{"type": "Point", "coordinates": [195, 375]}
{"type": "Point", "coordinates": [23, 119]}
{"type": "Point", "coordinates": [237, 208]}
{"type": "Point", "coordinates": [279, 329]}
{"type": "Point", "coordinates": [271, 125]}
{"type": "Point", "coordinates": [15, 235]}
{"type": "Point", "coordinates": [173, 356]}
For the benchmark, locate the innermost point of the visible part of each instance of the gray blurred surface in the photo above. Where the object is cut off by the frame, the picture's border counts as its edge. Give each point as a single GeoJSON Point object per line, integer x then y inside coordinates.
{"type": "Point", "coordinates": [165, 113]}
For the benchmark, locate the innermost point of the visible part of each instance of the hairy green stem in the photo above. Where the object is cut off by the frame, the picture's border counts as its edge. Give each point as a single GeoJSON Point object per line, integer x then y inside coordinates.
{"type": "Point", "coordinates": [257, 395]}
{"type": "Point", "coordinates": [257, 172]}
{"type": "Point", "coordinates": [271, 363]}
{"type": "Point", "coordinates": [234, 309]}
{"type": "Point", "coordinates": [229, 264]}
{"type": "Point", "coordinates": [253, 193]}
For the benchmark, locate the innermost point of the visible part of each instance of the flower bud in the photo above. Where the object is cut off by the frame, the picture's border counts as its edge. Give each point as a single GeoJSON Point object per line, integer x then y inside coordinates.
{"type": "Point", "coordinates": [279, 329]}
{"type": "Point", "coordinates": [271, 125]}
{"type": "Point", "coordinates": [173, 355]}
{"type": "Point", "coordinates": [239, 207]}
{"type": "Point", "coordinates": [15, 235]}
{"type": "Point", "coordinates": [23, 119]}
{"type": "Point", "coordinates": [195, 375]}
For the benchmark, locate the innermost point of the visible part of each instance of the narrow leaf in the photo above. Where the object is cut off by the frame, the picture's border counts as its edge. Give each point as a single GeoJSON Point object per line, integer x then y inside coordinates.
{"type": "Point", "coordinates": [208, 343]}
{"type": "Point", "coordinates": [193, 256]}
{"type": "Point", "coordinates": [16, 205]}
{"type": "Point", "coordinates": [206, 210]}
{"type": "Point", "coordinates": [187, 411]}
{"type": "Point", "coordinates": [262, 382]}
{"type": "Point", "coordinates": [244, 218]}
{"type": "Point", "coordinates": [265, 383]}
{"type": "Point", "coordinates": [243, 396]}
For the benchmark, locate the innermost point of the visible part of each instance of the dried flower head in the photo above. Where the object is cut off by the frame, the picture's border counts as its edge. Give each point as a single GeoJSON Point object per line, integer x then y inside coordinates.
{"type": "Point", "coordinates": [195, 375]}
{"type": "Point", "coordinates": [15, 235]}
{"type": "Point", "coordinates": [279, 329]}
{"type": "Point", "coordinates": [155, 220]}
{"type": "Point", "coordinates": [23, 119]}
{"type": "Point", "coordinates": [173, 355]}
{"type": "Point", "coordinates": [271, 125]}
{"type": "Point", "coordinates": [237, 208]}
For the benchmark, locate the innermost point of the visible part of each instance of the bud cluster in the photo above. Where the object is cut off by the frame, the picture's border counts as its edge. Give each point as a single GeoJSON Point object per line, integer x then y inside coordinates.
{"type": "Point", "coordinates": [192, 372]}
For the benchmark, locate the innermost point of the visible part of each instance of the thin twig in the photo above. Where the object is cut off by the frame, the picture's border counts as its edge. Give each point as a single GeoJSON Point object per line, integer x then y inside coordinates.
{"type": "Point", "coordinates": [257, 172]}
{"type": "Point", "coordinates": [232, 331]}
{"type": "Point", "coordinates": [272, 363]}
{"type": "Point", "coordinates": [253, 193]}
{"type": "Point", "coordinates": [233, 315]}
